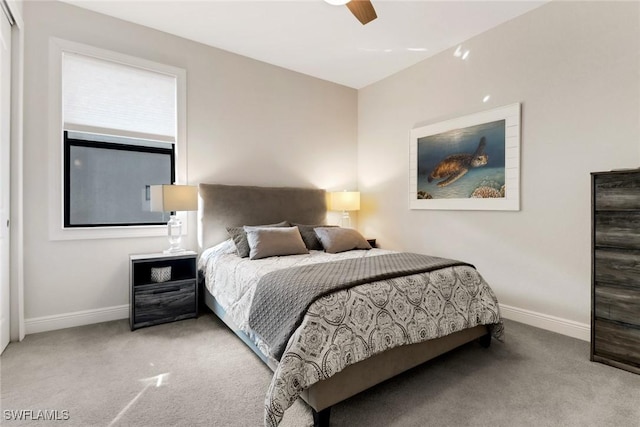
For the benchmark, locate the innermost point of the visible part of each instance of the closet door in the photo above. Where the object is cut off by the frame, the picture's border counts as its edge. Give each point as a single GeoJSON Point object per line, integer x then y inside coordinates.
{"type": "Point", "coordinates": [5, 173]}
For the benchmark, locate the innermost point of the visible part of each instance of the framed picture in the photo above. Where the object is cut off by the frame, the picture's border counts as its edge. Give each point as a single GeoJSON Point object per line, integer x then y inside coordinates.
{"type": "Point", "coordinates": [467, 163]}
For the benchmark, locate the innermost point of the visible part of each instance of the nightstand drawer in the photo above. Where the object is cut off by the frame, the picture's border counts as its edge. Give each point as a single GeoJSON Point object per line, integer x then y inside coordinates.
{"type": "Point", "coordinates": [166, 302]}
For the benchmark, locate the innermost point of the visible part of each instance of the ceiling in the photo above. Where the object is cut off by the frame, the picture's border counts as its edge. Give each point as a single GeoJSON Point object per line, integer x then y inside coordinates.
{"type": "Point", "coordinates": [315, 38]}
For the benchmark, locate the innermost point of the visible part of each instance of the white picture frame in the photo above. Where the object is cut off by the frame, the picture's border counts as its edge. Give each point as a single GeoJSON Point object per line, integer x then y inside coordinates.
{"type": "Point", "coordinates": [467, 163]}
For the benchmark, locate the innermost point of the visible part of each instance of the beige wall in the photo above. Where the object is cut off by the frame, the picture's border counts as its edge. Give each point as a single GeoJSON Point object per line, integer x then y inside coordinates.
{"type": "Point", "coordinates": [247, 123]}
{"type": "Point", "coordinates": [575, 67]}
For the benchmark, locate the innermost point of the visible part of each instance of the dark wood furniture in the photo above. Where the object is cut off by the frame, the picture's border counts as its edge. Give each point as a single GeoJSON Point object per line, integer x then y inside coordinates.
{"type": "Point", "coordinates": [153, 302]}
{"type": "Point", "coordinates": [615, 272]}
{"type": "Point", "coordinates": [372, 242]}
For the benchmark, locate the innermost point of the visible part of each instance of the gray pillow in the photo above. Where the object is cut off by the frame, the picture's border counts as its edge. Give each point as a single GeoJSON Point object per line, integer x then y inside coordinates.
{"type": "Point", "coordinates": [239, 237]}
{"type": "Point", "coordinates": [274, 241]}
{"type": "Point", "coordinates": [309, 235]}
{"type": "Point", "coordinates": [337, 239]}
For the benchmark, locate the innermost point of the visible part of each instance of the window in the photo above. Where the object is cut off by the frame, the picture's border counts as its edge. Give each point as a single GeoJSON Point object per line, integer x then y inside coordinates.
{"type": "Point", "coordinates": [107, 179]}
{"type": "Point", "coordinates": [121, 128]}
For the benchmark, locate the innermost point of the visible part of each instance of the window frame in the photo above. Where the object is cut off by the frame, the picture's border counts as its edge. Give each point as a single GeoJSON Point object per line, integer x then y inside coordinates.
{"type": "Point", "coordinates": [57, 230]}
{"type": "Point", "coordinates": [72, 142]}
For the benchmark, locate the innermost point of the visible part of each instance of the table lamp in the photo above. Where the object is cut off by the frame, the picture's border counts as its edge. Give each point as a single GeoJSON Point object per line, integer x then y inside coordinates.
{"type": "Point", "coordinates": [345, 201]}
{"type": "Point", "coordinates": [173, 198]}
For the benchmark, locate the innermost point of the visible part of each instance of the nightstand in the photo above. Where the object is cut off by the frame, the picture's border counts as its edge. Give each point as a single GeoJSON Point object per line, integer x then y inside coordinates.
{"type": "Point", "coordinates": [163, 288]}
{"type": "Point", "coordinates": [372, 242]}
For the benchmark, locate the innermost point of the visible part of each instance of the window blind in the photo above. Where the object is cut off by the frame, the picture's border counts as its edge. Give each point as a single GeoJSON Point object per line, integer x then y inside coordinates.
{"type": "Point", "coordinates": [109, 95]}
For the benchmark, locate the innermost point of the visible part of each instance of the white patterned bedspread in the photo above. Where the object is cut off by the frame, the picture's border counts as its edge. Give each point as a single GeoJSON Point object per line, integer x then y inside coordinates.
{"type": "Point", "coordinates": [352, 324]}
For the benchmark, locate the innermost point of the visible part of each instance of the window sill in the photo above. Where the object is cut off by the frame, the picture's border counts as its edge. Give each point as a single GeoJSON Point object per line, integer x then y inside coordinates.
{"type": "Point", "coordinates": [57, 232]}
{"type": "Point", "coordinates": [108, 232]}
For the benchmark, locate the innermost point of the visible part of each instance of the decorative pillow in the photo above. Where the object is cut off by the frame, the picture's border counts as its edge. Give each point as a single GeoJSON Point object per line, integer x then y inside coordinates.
{"type": "Point", "coordinates": [309, 235]}
{"type": "Point", "coordinates": [337, 239]}
{"type": "Point", "coordinates": [274, 241]}
{"type": "Point", "coordinates": [239, 237]}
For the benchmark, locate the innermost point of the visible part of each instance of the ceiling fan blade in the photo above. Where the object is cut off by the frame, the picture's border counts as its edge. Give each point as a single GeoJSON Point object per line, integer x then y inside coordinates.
{"type": "Point", "coordinates": [363, 10]}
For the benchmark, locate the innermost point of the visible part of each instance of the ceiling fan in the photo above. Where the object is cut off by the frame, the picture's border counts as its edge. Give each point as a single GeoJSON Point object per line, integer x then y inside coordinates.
{"type": "Point", "coordinates": [361, 9]}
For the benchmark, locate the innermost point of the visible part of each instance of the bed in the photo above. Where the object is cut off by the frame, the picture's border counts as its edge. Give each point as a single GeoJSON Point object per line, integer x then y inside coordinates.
{"type": "Point", "coordinates": [349, 338]}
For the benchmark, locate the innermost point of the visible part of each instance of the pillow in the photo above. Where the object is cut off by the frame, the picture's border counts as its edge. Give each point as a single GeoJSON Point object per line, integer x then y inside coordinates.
{"type": "Point", "coordinates": [336, 239]}
{"type": "Point", "coordinates": [274, 241]}
{"type": "Point", "coordinates": [309, 235]}
{"type": "Point", "coordinates": [239, 237]}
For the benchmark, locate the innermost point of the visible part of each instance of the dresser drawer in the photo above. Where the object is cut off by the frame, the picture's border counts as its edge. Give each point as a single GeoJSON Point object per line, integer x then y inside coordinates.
{"type": "Point", "coordinates": [617, 303]}
{"type": "Point", "coordinates": [617, 342]}
{"type": "Point", "coordinates": [617, 229]}
{"type": "Point", "coordinates": [617, 191]}
{"type": "Point", "coordinates": [620, 267]}
{"type": "Point", "coordinates": [169, 301]}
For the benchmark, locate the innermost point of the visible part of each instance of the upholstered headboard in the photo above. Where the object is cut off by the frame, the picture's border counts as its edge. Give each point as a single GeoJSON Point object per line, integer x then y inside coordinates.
{"type": "Point", "coordinates": [223, 206]}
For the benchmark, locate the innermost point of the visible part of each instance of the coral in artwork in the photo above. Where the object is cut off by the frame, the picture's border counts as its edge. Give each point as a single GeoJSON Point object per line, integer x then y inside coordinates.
{"type": "Point", "coordinates": [484, 192]}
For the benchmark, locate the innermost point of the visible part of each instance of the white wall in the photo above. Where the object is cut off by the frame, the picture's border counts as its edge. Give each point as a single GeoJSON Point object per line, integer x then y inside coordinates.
{"type": "Point", "coordinates": [247, 123]}
{"type": "Point", "coordinates": [575, 67]}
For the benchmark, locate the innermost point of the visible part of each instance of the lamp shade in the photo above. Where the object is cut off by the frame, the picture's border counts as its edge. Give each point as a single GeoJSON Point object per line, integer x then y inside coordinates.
{"type": "Point", "coordinates": [170, 198]}
{"type": "Point", "coordinates": [344, 201]}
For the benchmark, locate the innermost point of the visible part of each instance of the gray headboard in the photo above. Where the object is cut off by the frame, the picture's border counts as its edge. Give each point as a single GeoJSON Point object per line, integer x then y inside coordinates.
{"type": "Point", "coordinates": [224, 206]}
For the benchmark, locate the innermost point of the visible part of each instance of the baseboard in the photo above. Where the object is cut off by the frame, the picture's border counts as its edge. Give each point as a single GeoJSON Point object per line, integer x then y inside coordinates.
{"type": "Point", "coordinates": [78, 318]}
{"type": "Point", "coordinates": [570, 328]}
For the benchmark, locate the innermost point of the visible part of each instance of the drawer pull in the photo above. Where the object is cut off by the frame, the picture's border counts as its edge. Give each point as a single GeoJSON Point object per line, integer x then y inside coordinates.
{"type": "Point", "coordinates": [165, 290]}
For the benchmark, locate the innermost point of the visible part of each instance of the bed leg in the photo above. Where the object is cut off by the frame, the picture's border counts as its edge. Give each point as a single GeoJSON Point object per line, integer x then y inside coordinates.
{"type": "Point", "coordinates": [321, 419]}
{"type": "Point", "coordinates": [485, 340]}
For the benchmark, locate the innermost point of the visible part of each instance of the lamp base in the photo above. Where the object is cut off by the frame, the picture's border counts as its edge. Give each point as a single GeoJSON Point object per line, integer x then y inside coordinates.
{"type": "Point", "coordinates": [346, 219]}
{"type": "Point", "coordinates": [174, 233]}
{"type": "Point", "coordinates": [174, 250]}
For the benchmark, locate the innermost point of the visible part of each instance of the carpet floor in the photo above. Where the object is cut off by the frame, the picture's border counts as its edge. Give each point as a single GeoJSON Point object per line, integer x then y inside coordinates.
{"type": "Point", "coordinates": [198, 373]}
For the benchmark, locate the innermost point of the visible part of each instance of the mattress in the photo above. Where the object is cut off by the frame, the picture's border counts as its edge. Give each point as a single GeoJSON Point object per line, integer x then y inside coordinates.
{"type": "Point", "coordinates": [232, 280]}
{"type": "Point", "coordinates": [350, 325]}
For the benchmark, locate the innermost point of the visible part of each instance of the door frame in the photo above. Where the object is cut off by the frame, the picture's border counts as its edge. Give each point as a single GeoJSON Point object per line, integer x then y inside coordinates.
{"type": "Point", "coordinates": [16, 229]}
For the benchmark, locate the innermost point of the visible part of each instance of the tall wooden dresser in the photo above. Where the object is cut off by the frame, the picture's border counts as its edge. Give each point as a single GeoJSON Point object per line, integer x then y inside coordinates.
{"type": "Point", "coordinates": [615, 269]}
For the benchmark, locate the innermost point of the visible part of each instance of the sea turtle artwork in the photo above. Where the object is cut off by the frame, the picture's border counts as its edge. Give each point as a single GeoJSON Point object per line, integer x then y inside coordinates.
{"type": "Point", "coordinates": [455, 166]}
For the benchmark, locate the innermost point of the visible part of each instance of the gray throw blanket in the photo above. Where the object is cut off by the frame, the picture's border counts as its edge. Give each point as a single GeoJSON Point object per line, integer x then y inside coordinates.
{"type": "Point", "coordinates": [282, 297]}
